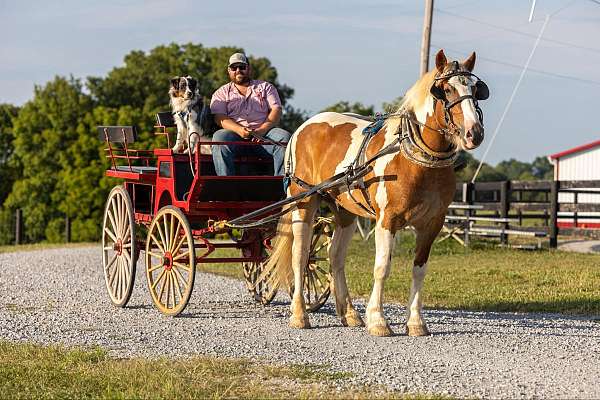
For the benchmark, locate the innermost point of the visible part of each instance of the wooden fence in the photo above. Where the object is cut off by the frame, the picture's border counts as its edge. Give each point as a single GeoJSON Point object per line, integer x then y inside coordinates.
{"type": "Point", "coordinates": [530, 208]}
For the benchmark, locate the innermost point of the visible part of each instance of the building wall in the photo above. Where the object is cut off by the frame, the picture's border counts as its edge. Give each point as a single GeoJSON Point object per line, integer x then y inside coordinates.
{"type": "Point", "coordinates": [580, 166]}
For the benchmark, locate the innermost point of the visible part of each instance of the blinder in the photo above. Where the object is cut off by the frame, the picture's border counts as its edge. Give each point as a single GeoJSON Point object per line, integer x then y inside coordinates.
{"type": "Point", "coordinates": [482, 92]}
{"type": "Point", "coordinates": [437, 92]}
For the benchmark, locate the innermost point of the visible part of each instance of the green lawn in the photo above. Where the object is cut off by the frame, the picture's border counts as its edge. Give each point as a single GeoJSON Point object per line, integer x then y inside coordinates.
{"type": "Point", "coordinates": [34, 372]}
{"type": "Point", "coordinates": [484, 277]}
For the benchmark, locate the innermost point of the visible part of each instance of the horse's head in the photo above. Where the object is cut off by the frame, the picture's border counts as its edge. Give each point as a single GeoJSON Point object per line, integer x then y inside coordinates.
{"type": "Point", "coordinates": [458, 90]}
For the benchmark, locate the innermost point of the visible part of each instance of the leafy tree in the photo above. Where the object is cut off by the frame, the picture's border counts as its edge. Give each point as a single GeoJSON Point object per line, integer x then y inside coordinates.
{"type": "Point", "coordinates": [542, 168]}
{"type": "Point", "coordinates": [9, 169]}
{"type": "Point", "coordinates": [143, 82]}
{"type": "Point", "coordinates": [292, 118]}
{"type": "Point", "coordinates": [468, 165]}
{"type": "Point", "coordinates": [44, 131]}
{"type": "Point", "coordinates": [514, 169]}
{"type": "Point", "coordinates": [393, 105]}
{"type": "Point", "coordinates": [357, 108]}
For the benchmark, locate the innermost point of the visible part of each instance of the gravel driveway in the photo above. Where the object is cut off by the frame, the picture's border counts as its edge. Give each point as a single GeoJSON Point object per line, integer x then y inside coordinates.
{"type": "Point", "coordinates": [58, 296]}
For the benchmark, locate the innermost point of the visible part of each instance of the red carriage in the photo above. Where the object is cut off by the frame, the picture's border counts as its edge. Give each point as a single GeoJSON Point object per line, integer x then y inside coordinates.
{"type": "Point", "coordinates": [172, 205]}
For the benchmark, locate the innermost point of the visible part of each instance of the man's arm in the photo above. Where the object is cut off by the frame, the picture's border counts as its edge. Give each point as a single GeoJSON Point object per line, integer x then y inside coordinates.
{"type": "Point", "coordinates": [227, 123]}
{"type": "Point", "coordinates": [271, 121]}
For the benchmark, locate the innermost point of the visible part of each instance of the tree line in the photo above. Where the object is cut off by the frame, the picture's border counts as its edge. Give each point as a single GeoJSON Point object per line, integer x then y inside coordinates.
{"type": "Point", "coordinates": [52, 163]}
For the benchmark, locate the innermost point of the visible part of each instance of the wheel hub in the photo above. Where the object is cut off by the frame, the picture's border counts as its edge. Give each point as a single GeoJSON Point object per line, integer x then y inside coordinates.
{"type": "Point", "coordinates": [118, 246]}
{"type": "Point", "coordinates": [168, 261]}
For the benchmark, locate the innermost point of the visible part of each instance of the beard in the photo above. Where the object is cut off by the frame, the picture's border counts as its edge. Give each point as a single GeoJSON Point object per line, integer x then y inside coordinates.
{"type": "Point", "coordinates": [241, 79]}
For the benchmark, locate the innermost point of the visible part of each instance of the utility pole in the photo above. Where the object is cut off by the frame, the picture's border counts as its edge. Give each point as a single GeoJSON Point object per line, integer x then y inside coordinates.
{"type": "Point", "coordinates": [426, 36]}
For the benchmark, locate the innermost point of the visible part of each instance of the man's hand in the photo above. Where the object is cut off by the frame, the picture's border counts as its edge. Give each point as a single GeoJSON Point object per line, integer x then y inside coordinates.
{"type": "Point", "coordinates": [244, 132]}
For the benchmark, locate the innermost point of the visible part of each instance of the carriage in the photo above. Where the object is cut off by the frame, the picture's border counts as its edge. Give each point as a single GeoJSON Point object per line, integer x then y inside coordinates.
{"type": "Point", "coordinates": [170, 205]}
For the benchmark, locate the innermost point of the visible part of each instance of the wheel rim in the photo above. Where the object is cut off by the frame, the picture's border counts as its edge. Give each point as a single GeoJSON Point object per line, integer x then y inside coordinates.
{"type": "Point", "coordinates": [317, 278]}
{"type": "Point", "coordinates": [119, 248]}
{"type": "Point", "coordinates": [258, 285]}
{"type": "Point", "coordinates": [170, 261]}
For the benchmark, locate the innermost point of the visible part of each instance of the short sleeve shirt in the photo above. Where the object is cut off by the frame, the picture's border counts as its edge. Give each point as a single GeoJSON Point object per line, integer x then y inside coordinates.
{"type": "Point", "coordinates": [249, 111]}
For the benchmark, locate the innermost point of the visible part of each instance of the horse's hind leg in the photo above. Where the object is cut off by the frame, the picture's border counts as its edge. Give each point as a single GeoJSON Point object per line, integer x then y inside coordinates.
{"type": "Point", "coordinates": [415, 324]}
{"type": "Point", "coordinates": [302, 221]}
{"type": "Point", "coordinates": [384, 246]}
{"type": "Point", "coordinates": [345, 227]}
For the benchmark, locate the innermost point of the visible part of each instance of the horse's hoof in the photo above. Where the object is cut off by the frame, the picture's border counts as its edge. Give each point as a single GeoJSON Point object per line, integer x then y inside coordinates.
{"type": "Point", "coordinates": [353, 320]}
{"type": "Point", "coordinates": [417, 330]}
{"type": "Point", "coordinates": [299, 323]}
{"type": "Point", "coordinates": [381, 330]}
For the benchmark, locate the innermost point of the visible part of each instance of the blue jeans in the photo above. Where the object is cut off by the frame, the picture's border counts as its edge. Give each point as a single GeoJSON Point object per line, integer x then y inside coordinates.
{"type": "Point", "coordinates": [223, 155]}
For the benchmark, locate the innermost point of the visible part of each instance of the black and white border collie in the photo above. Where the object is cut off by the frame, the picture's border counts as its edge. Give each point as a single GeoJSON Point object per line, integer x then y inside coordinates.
{"type": "Point", "coordinates": [188, 112]}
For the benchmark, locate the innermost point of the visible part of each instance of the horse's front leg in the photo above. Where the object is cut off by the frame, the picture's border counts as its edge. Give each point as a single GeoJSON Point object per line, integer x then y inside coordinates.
{"type": "Point", "coordinates": [302, 219]}
{"type": "Point", "coordinates": [415, 324]}
{"type": "Point", "coordinates": [384, 246]}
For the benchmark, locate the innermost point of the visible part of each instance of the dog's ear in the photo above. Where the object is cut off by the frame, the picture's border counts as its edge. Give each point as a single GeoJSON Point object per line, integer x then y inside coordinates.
{"type": "Point", "coordinates": [175, 83]}
{"type": "Point", "coordinates": [192, 83]}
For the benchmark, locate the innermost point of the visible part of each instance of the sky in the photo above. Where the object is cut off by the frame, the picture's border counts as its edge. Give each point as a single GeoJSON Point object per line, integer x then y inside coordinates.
{"type": "Point", "coordinates": [328, 51]}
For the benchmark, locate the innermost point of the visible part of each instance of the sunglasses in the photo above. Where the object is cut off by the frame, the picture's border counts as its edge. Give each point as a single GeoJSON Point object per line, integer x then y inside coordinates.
{"type": "Point", "coordinates": [239, 67]}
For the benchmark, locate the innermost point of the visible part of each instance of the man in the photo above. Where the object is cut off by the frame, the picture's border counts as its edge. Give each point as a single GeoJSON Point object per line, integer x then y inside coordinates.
{"type": "Point", "coordinates": [246, 108]}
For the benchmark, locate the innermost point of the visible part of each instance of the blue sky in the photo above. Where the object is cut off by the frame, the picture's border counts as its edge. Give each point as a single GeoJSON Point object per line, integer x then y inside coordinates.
{"type": "Point", "coordinates": [328, 51]}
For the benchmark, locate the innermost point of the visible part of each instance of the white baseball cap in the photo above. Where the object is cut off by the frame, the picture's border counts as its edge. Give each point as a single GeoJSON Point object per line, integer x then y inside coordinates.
{"type": "Point", "coordinates": [238, 58]}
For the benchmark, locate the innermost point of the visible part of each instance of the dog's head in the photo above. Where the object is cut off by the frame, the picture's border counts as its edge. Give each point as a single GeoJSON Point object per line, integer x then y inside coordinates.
{"type": "Point", "coordinates": [184, 87]}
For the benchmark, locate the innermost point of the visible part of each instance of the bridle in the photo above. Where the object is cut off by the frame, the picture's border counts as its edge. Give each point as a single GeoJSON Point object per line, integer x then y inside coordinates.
{"type": "Point", "coordinates": [482, 92]}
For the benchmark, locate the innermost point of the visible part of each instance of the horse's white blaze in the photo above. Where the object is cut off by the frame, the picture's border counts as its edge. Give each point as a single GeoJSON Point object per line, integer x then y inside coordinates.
{"type": "Point", "coordinates": [467, 106]}
{"type": "Point", "coordinates": [415, 302]}
{"type": "Point", "coordinates": [384, 246]}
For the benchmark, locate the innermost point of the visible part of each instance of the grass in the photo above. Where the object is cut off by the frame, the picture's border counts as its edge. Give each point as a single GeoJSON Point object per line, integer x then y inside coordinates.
{"type": "Point", "coordinates": [42, 246]}
{"type": "Point", "coordinates": [481, 278]}
{"type": "Point", "coordinates": [31, 371]}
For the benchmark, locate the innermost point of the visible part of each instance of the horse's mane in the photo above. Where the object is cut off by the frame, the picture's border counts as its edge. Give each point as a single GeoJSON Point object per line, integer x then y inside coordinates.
{"type": "Point", "coordinates": [413, 99]}
{"type": "Point", "coordinates": [416, 95]}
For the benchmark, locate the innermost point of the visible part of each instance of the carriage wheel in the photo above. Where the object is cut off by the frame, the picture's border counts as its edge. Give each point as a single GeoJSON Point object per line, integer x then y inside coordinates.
{"type": "Point", "coordinates": [317, 275]}
{"type": "Point", "coordinates": [257, 282]}
{"type": "Point", "coordinates": [119, 247]}
{"type": "Point", "coordinates": [170, 260]}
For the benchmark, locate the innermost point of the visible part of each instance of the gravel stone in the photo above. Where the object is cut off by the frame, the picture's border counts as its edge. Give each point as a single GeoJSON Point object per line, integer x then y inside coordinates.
{"type": "Point", "coordinates": [59, 297]}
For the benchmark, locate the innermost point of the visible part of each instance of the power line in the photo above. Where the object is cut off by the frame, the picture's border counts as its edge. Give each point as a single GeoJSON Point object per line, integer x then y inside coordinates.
{"type": "Point", "coordinates": [539, 71]}
{"type": "Point", "coordinates": [512, 96]}
{"type": "Point", "coordinates": [517, 32]}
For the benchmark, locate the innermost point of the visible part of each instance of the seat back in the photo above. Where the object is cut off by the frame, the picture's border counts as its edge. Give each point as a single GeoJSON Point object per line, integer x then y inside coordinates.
{"type": "Point", "coordinates": [117, 134]}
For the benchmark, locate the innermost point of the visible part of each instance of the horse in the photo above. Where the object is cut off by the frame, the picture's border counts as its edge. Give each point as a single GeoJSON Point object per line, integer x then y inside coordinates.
{"type": "Point", "coordinates": [411, 182]}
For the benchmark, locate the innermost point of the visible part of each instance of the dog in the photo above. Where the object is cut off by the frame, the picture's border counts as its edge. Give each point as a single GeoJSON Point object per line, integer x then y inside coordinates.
{"type": "Point", "coordinates": [189, 112]}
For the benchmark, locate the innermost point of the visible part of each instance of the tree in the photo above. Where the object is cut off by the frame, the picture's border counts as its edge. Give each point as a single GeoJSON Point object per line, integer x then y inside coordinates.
{"type": "Point", "coordinates": [542, 168]}
{"type": "Point", "coordinates": [143, 82]}
{"type": "Point", "coordinates": [44, 131]}
{"type": "Point", "coordinates": [468, 165]}
{"type": "Point", "coordinates": [514, 169]}
{"type": "Point", "coordinates": [9, 169]}
{"type": "Point", "coordinates": [356, 108]}
{"type": "Point", "coordinates": [393, 105]}
{"type": "Point", "coordinates": [56, 143]}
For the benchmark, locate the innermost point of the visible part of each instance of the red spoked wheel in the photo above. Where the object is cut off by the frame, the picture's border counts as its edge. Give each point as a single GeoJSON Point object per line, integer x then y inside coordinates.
{"type": "Point", "coordinates": [170, 260]}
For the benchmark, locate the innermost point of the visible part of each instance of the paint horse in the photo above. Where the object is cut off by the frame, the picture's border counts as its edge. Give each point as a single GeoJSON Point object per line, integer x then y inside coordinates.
{"type": "Point", "coordinates": [412, 182]}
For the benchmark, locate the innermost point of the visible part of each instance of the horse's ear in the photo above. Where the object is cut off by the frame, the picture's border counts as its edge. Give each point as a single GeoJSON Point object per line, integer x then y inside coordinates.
{"type": "Point", "coordinates": [469, 63]}
{"type": "Point", "coordinates": [440, 61]}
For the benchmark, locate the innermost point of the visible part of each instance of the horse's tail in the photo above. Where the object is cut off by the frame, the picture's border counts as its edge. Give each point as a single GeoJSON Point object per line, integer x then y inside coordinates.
{"type": "Point", "coordinates": [277, 269]}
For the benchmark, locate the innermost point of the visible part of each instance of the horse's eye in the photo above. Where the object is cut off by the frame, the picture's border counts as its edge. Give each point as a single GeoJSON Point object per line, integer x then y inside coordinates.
{"type": "Point", "coordinates": [447, 90]}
